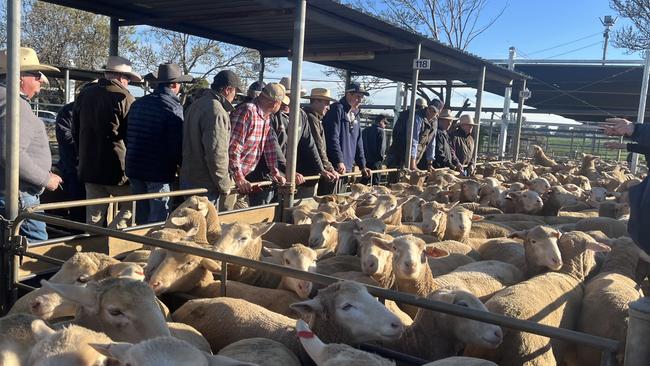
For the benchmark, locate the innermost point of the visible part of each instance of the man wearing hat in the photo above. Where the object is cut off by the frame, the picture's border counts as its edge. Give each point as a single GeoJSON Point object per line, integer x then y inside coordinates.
{"type": "Point", "coordinates": [463, 143]}
{"type": "Point", "coordinates": [319, 103]}
{"type": "Point", "coordinates": [444, 155]}
{"type": "Point", "coordinates": [34, 175]}
{"type": "Point", "coordinates": [206, 135]}
{"type": "Point", "coordinates": [343, 133]}
{"type": "Point", "coordinates": [253, 91]}
{"type": "Point", "coordinates": [99, 129]}
{"type": "Point", "coordinates": [374, 145]}
{"type": "Point", "coordinates": [425, 127]}
{"type": "Point", "coordinates": [252, 138]}
{"type": "Point", "coordinates": [154, 142]}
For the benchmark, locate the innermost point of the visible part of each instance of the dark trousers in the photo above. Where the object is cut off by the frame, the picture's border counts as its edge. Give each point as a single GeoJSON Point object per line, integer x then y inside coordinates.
{"type": "Point", "coordinates": [375, 176]}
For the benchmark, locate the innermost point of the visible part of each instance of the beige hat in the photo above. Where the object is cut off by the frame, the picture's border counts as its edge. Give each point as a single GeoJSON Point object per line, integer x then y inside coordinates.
{"type": "Point", "coordinates": [466, 119]}
{"type": "Point", "coordinates": [28, 61]}
{"type": "Point", "coordinates": [446, 114]}
{"type": "Point", "coordinates": [276, 92]}
{"type": "Point", "coordinates": [121, 65]}
{"type": "Point", "coordinates": [320, 93]}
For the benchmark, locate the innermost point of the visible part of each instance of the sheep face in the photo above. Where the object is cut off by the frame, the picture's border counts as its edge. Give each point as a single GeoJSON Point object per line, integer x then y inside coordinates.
{"type": "Point", "coordinates": [561, 196]}
{"type": "Point", "coordinates": [297, 257]}
{"type": "Point", "coordinates": [177, 272]}
{"type": "Point", "coordinates": [531, 201]}
{"type": "Point", "coordinates": [368, 225]}
{"type": "Point", "coordinates": [539, 185]}
{"type": "Point", "coordinates": [329, 207]}
{"type": "Point", "coordinates": [469, 332]}
{"type": "Point", "coordinates": [409, 260]}
{"type": "Point", "coordinates": [374, 259]}
{"type": "Point", "coordinates": [384, 204]}
{"type": "Point", "coordinates": [349, 305]}
{"type": "Point", "coordinates": [541, 246]}
{"type": "Point", "coordinates": [432, 215]}
{"type": "Point", "coordinates": [459, 222]}
{"type": "Point", "coordinates": [411, 209]}
{"type": "Point", "coordinates": [322, 230]}
{"type": "Point", "coordinates": [358, 190]}
{"type": "Point", "coordinates": [469, 191]}
{"type": "Point", "coordinates": [239, 239]}
{"type": "Point", "coordinates": [124, 309]}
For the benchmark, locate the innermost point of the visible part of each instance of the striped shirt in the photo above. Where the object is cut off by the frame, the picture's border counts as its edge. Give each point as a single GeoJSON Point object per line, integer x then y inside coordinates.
{"type": "Point", "coordinates": [249, 139]}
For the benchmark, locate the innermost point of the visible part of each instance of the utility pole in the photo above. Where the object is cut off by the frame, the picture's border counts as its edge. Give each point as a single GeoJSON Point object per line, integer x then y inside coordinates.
{"type": "Point", "coordinates": [505, 117]}
{"type": "Point", "coordinates": [608, 22]}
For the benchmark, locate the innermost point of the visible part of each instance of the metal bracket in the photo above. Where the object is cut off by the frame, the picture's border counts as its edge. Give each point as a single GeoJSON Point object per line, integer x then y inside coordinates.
{"type": "Point", "coordinates": [13, 244]}
{"type": "Point", "coordinates": [284, 190]}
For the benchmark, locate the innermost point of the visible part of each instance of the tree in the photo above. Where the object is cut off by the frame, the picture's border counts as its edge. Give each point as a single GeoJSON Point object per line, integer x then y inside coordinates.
{"type": "Point", "coordinates": [635, 37]}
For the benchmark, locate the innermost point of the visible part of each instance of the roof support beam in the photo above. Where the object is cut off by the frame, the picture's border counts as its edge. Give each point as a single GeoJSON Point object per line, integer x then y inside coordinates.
{"type": "Point", "coordinates": [209, 16]}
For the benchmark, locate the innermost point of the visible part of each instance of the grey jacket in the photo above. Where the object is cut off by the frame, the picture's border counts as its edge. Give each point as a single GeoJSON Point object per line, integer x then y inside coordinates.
{"type": "Point", "coordinates": [206, 135]}
{"type": "Point", "coordinates": [35, 158]}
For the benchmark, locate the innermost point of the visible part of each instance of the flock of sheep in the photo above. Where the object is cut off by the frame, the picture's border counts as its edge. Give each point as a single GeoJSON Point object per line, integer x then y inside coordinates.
{"type": "Point", "coordinates": [535, 240]}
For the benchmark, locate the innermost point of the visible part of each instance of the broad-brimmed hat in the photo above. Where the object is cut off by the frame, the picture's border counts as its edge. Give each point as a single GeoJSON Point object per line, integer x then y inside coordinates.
{"type": "Point", "coordinates": [466, 119]}
{"type": "Point", "coordinates": [121, 65]}
{"type": "Point", "coordinates": [446, 114]}
{"type": "Point", "coordinates": [421, 103]}
{"type": "Point", "coordinates": [171, 73]}
{"type": "Point", "coordinates": [227, 78]}
{"type": "Point", "coordinates": [320, 93]}
{"type": "Point", "coordinates": [355, 87]}
{"type": "Point", "coordinates": [436, 104]}
{"type": "Point", "coordinates": [28, 61]}
{"type": "Point", "coordinates": [276, 92]}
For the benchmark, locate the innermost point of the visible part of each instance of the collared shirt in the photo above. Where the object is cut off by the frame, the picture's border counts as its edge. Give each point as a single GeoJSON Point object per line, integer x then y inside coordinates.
{"type": "Point", "coordinates": [250, 139]}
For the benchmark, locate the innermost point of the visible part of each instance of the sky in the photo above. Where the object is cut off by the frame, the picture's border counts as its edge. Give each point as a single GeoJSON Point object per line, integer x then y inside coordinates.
{"type": "Point", "coordinates": [531, 26]}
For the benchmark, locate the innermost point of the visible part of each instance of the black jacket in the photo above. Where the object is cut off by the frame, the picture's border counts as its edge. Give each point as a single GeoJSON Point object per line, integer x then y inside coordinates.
{"type": "Point", "coordinates": [444, 156]}
{"type": "Point", "coordinates": [68, 158]}
{"type": "Point", "coordinates": [374, 144]}
{"type": "Point", "coordinates": [639, 223]}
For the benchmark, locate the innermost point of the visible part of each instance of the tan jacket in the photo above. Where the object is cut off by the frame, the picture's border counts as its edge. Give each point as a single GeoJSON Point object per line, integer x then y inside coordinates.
{"type": "Point", "coordinates": [206, 135]}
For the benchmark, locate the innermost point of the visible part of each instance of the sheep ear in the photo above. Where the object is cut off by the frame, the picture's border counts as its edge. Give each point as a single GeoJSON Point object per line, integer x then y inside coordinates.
{"type": "Point", "coordinates": [211, 265]}
{"type": "Point", "coordinates": [433, 252]}
{"type": "Point", "coordinates": [382, 243]}
{"type": "Point", "coordinates": [519, 234]}
{"type": "Point", "coordinates": [308, 307]}
{"type": "Point", "coordinates": [178, 220]}
{"type": "Point", "coordinates": [557, 234]}
{"type": "Point", "coordinates": [84, 296]}
{"type": "Point", "coordinates": [203, 207]}
{"type": "Point", "coordinates": [477, 218]}
{"type": "Point", "coordinates": [261, 229]}
{"type": "Point", "coordinates": [41, 330]}
{"type": "Point", "coordinates": [272, 252]}
{"type": "Point", "coordinates": [322, 252]}
{"type": "Point", "coordinates": [597, 247]}
{"type": "Point", "coordinates": [117, 350]}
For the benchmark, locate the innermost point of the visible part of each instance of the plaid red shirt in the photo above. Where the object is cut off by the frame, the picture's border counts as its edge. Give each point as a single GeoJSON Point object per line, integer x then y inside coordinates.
{"type": "Point", "coordinates": [250, 137]}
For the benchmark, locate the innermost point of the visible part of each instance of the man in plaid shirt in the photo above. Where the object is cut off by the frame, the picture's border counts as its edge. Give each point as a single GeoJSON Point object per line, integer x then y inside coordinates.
{"type": "Point", "coordinates": [251, 137]}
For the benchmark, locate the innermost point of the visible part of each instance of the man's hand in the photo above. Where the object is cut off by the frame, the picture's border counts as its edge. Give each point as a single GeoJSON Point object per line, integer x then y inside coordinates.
{"type": "Point", "coordinates": [331, 176]}
{"type": "Point", "coordinates": [299, 179]}
{"type": "Point", "coordinates": [620, 127]}
{"type": "Point", "coordinates": [281, 180]}
{"type": "Point", "coordinates": [365, 172]}
{"type": "Point", "coordinates": [615, 145]}
{"type": "Point", "coordinates": [340, 168]}
{"type": "Point", "coordinates": [459, 167]}
{"type": "Point", "coordinates": [243, 186]}
{"type": "Point", "coordinates": [53, 182]}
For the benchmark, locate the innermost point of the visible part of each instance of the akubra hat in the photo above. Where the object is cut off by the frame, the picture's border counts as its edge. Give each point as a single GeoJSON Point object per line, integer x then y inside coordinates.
{"type": "Point", "coordinates": [320, 93]}
{"type": "Point", "coordinates": [171, 73]}
{"type": "Point", "coordinates": [121, 65]}
{"type": "Point", "coordinates": [466, 119]}
{"type": "Point", "coordinates": [446, 114]}
{"type": "Point", "coordinates": [28, 61]}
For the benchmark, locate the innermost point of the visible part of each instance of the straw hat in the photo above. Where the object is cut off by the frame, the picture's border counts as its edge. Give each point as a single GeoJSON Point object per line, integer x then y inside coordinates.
{"type": "Point", "coordinates": [121, 65]}
{"type": "Point", "coordinates": [466, 119]}
{"type": "Point", "coordinates": [446, 114]}
{"type": "Point", "coordinates": [320, 93]}
{"type": "Point", "coordinates": [28, 61]}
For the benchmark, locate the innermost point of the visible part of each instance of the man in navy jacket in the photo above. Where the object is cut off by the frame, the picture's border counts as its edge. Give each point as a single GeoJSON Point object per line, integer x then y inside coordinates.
{"type": "Point", "coordinates": [343, 133]}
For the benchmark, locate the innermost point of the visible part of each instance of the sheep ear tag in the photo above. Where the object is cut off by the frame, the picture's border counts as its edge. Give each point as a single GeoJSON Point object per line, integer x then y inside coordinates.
{"type": "Point", "coordinates": [305, 334]}
{"type": "Point", "coordinates": [434, 252]}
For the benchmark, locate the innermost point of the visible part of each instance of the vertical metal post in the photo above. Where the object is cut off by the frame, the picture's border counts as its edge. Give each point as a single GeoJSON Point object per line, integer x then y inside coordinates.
{"type": "Point", "coordinates": [619, 151]}
{"type": "Point", "coordinates": [637, 351]}
{"type": "Point", "coordinates": [409, 126]}
{"type": "Point", "coordinates": [348, 79]}
{"type": "Point", "coordinates": [489, 147]}
{"type": "Point", "coordinates": [520, 118]}
{"type": "Point", "coordinates": [505, 117]}
{"type": "Point", "coordinates": [114, 37]}
{"type": "Point", "coordinates": [260, 77]}
{"type": "Point", "coordinates": [405, 97]}
{"type": "Point", "coordinates": [294, 118]}
{"type": "Point", "coordinates": [477, 114]}
{"type": "Point", "coordinates": [642, 102]}
{"type": "Point", "coordinates": [398, 100]}
{"type": "Point", "coordinates": [67, 98]}
{"type": "Point", "coordinates": [12, 136]}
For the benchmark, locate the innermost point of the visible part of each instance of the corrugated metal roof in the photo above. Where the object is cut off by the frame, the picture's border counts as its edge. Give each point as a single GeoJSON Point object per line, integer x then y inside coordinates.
{"type": "Point", "coordinates": [267, 25]}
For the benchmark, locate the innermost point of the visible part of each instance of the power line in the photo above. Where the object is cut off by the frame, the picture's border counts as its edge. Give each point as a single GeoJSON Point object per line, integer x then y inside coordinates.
{"type": "Point", "coordinates": [574, 50]}
{"type": "Point", "coordinates": [564, 44]}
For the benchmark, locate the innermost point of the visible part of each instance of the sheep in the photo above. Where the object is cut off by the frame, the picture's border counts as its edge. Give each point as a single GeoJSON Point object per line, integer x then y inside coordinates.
{"type": "Point", "coordinates": [326, 233]}
{"type": "Point", "coordinates": [588, 167]}
{"type": "Point", "coordinates": [188, 219]}
{"type": "Point", "coordinates": [480, 210]}
{"type": "Point", "coordinates": [16, 338]}
{"type": "Point", "coordinates": [466, 191]}
{"type": "Point", "coordinates": [67, 346]}
{"type": "Point", "coordinates": [539, 185]}
{"type": "Point", "coordinates": [343, 312]}
{"type": "Point", "coordinates": [297, 257]}
{"type": "Point", "coordinates": [454, 223]}
{"type": "Point", "coordinates": [339, 263]}
{"type": "Point", "coordinates": [452, 246]}
{"type": "Point", "coordinates": [611, 227]}
{"type": "Point", "coordinates": [162, 351]}
{"type": "Point", "coordinates": [278, 233]}
{"type": "Point", "coordinates": [540, 158]}
{"type": "Point", "coordinates": [335, 354]}
{"type": "Point", "coordinates": [540, 249]}
{"type": "Point", "coordinates": [376, 261]}
{"type": "Point", "coordinates": [556, 198]}
{"type": "Point", "coordinates": [202, 204]}
{"type": "Point", "coordinates": [552, 298]}
{"type": "Point", "coordinates": [124, 309]}
{"type": "Point", "coordinates": [487, 230]}
{"type": "Point", "coordinates": [434, 335]}
{"type": "Point", "coordinates": [613, 210]}
{"type": "Point", "coordinates": [260, 351]}
{"type": "Point", "coordinates": [411, 209]}
{"type": "Point", "coordinates": [527, 202]}
{"type": "Point", "coordinates": [606, 298]}
{"type": "Point", "coordinates": [140, 257]}
{"type": "Point", "coordinates": [190, 335]}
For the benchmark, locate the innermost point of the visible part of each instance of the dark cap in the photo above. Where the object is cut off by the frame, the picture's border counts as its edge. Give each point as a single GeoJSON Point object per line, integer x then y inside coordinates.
{"type": "Point", "coordinates": [355, 87]}
{"type": "Point", "coordinates": [437, 105]}
{"type": "Point", "coordinates": [172, 73]}
{"type": "Point", "coordinates": [227, 78]}
{"type": "Point", "coordinates": [380, 117]}
{"type": "Point", "coordinates": [255, 89]}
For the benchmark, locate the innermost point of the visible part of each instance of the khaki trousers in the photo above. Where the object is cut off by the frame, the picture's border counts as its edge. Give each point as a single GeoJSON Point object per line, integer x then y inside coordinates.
{"type": "Point", "coordinates": [98, 214]}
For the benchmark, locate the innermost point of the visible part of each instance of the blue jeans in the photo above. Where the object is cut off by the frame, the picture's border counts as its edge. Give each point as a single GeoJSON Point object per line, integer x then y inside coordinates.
{"type": "Point", "coordinates": [31, 229]}
{"type": "Point", "coordinates": [153, 210]}
{"type": "Point", "coordinates": [212, 195]}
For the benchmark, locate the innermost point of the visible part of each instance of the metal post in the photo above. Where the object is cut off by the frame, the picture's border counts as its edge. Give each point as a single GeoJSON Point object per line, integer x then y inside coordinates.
{"type": "Point", "coordinates": [637, 351]}
{"type": "Point", "coordinates": [114, 37]}
{"type": "Point", "coordinates": [67, 86]}
{"type": "Point", "coordinates": [405, 98]}
{"type": "Point", "coordinates": [12, 136]}
{"type": "Point", "coordinates": [505, 117]}
{"type": "Point", "coordinates": [260, 77]}
{"type": "Point", "coordinates": [477, 113]}
{"type": "Point", "coordinates": [296, 75]}
{"type": "Point", "coordinates": [398, 100]}
{"type": "Point", "coordinates": [520, 117]}
{"type": "Point", "coordinates": [409, 126]}
{"type": "Point", "coordinates": [642, 101]}
{"type": "Point", "coordinates": [348, 79]}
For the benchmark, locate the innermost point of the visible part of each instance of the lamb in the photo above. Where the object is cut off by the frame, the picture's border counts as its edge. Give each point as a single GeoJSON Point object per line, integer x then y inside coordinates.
{"type": "Point", "coordinates": [527, 202]}
{"type": "Point", "coordinates": [611, 227]}
{"type": "Point", "coordinates": [326, 233]}
{"type": "Point", "coordinates": [487, 230]}
{"type": "Point", "coordinates": [539, 185]}
{"type": "Point", "coordinates": [540, 250]}
{"type": "Point", "coordinates": [140, 257]}
{"type": "Point", "coordinates": [124, 309]}
{"type": "Point", "coordinates": [343, 312]}
{"type": "Point", "coordinates": [297, 257]}
{"type": "Point", "coordinates": [452, 246]}
{"type": "Point", "coordinates": [447, 224]}
{"type": "Point", "coordinates": [278, 233]}
{"type": "Point", "coordinates": [376, 261]}
{"type": "Point", "coordinates": [467, 191]}
{"type": "Point", "coordinates": [556, 198]}
{"type": "Point", "coordinates": [202, 204]}
{"type": "Point", "coordinates": [588, 167]}
{"type": "Point", "coordinates": [540, 158]}
{"type": "Point", "coordinates": [68, 346]}
{"type": "Point", "coordinates": [411, 209]}
{"type": "Point", "coordinates": [435, 335]}
{"type": "Point", "coordinates": [163, 351]}
{"type": "Point", "coordinates": [335, 354]}
{"type": "Point", "coordinates": [552, 298]}
{"type": "Point", "coordinates": [16, 338]}
{"type": "Point", "coordinates": [613, 210]}
{"type": "Point", "coordinates": [607, 297]}
{"type": "Point", "coordinates": [478, 209]}
{"type": "Point", "coordinates": [260, 351]}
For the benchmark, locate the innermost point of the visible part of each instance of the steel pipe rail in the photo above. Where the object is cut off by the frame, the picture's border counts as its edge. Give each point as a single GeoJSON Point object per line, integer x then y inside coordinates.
{"type": "Point", "coordinates": [608, 345]}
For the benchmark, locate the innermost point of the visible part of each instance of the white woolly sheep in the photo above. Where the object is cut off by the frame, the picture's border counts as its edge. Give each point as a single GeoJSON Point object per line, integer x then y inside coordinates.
{"type": "Point", "coordinates": [262, 351]}
{"type": "Point", "coordinates": [16, 338]}
{"type": "Point", "coordinates": [206, 207]}
{"type": "Point", "coordinates": [60, 347]}
{"type": "Point", "coordinates": [611, 227]}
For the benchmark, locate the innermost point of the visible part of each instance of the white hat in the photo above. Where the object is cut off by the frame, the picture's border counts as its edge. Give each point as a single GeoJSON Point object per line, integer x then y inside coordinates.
{"type": "Point", "coordinates": [121, 65]}
{"type": "Point", "coordinates": [466, 119]}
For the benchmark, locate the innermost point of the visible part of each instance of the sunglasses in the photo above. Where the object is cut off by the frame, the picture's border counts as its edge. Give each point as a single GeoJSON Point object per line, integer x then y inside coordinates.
{"type": "Point", "coordinates": [36, 75]}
